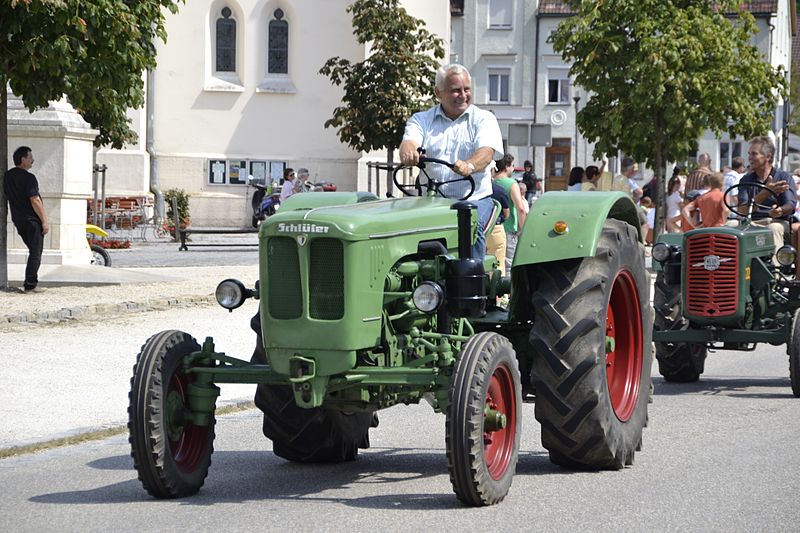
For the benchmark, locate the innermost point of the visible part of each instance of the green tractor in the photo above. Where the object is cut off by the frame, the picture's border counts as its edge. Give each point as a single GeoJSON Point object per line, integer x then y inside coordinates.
{"type": "Point", "coordinates": [366, 303]}
{"type": "Point", "coordinates": [723, 288]}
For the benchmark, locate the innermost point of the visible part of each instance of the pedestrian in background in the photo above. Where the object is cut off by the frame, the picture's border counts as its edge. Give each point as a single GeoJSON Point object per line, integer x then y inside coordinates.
{"type": "Point", "coordinates": [516, 220]}
{"type": "Point", "coordinates": [694, 181]}
{"type": "Point", "coordinates": [674, 201]}
{"type": "Point", "coordinates": [733, 176]}
{"type": "Point", "coordinates": [712, 209]}
{"type": "Point", "coordinates": [302, 183]}
{"type": "Point", "coordinates": [496, 239]}
{"type": "Point", "coordinates": [576, 178]}
{"type": "Point", "coordinates": [593, 174]}
{"type": "Point", "coordinates": [27, 212]}
{"type": "Point", "coordinates": [532, 182]}
{"type": "Point", "coordinates": [625, 182]}
{"type": "Point", "coordinates": [287, 188]}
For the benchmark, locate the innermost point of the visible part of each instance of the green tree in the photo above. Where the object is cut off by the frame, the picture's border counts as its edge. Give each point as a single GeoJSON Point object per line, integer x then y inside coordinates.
{"type": "Point", "coordinates": [94, 52]}
{"type": "Point", "coordinates": [395, 81]}
{"type": "Point", "coordinates": [662, 72]}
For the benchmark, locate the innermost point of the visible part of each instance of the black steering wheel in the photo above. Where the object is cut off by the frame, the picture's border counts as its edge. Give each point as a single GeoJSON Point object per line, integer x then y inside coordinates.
{"type": "Point", "coordinates": [432, 187]}
{"type": "Point", "coordinates": [751, 202]}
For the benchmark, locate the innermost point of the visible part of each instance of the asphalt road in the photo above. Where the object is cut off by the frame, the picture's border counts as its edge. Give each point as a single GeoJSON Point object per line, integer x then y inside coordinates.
{"type": "Point", "coordinates": [719, 455]}
{"type": "Point", "coordinates": [235, 250]}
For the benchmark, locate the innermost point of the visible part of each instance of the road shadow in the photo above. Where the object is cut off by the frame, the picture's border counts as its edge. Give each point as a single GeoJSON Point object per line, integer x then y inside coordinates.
{"type": "Point", "coordinates": [241, 476]}
{"type": "Point", "coordinates": [734, 387]}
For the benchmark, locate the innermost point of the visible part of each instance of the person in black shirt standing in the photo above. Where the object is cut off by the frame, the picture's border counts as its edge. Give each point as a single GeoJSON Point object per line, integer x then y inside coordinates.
{"type": "Point", "coordinates": [532, 182]}
{"type": "Point", "coordinates": [27, 212]}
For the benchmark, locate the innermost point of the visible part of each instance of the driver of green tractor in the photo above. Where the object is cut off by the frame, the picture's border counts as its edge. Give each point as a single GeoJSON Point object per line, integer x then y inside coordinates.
{"type": "Point", "coordinates": [773, 210]}
{"type": "Point", "coordinates": [455, 130]}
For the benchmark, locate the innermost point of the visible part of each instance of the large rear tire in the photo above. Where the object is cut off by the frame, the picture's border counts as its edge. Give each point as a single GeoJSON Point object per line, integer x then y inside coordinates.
{"type": "Point", "coordinates": [678, 362]}
{"type": "Point", "coordinates": [592, 338]}
{"type": "Point", "coordinates": [170, 454]}
{"type": "Point", "coordinates": [318, 435]}
{"type": "Point", "coordinates": [794, 355]}
{"type": "Point", "coordinates": [482, 427]}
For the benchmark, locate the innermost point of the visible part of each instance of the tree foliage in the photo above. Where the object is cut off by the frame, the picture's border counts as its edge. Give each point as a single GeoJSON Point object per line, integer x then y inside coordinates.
{"type": "Point", "coordinates": [396, 80]}
{"type": "Point", "coordinates": [662, 72]}
{"type": "Point", "coordinates": [94, 52]}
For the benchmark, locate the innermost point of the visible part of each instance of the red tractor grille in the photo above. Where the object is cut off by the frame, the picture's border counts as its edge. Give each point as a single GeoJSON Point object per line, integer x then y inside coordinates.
{"type": "Point", "coordinates": [712, 285]}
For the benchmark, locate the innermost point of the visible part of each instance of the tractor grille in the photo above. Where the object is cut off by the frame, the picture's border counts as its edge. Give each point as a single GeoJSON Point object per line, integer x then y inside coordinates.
{"type": "Point", "coordinates": [285, 291]}
{"type": "Point", "coordinates": [326, 280]}
{"type": "Point", "coordinates": [712, 263]}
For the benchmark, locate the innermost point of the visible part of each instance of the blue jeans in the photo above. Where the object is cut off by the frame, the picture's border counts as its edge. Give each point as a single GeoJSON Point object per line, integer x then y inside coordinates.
{"type": "Point", "coordinates": [485, 207]}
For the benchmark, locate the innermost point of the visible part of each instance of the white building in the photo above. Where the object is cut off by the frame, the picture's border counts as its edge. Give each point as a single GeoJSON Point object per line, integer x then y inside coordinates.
{"type": "Point", "coordinates": [237, 92]}
{"type": "Point", "coordinates": [518, 76]}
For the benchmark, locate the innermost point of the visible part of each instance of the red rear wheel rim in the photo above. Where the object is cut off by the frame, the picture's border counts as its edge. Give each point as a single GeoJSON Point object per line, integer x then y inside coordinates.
{"type": "Point", "coordinates": [498, 446]}
{"type": "Point", "coordinates": [189, 447]}
{"type": "Point", "coordinates": [624, 345]}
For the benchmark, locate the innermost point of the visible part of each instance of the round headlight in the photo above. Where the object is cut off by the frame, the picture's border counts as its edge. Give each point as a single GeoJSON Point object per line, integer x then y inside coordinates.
{"type": "Point", "coordinates": [786, 255]}
{"type": "Point", "coordinates": [230, 293]}
{"type": "Point", "coordinates": [661, 252]}
{"type": "Point", "coordinates": [428, 296]}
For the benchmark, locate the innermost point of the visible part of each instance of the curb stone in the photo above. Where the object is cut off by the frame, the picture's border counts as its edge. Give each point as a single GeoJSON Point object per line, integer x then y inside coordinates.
{"type": "Point", "coordinates": [72, 313]}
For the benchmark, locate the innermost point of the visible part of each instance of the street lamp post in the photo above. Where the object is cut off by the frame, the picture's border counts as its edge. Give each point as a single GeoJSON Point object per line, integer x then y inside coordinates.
{"type": "Point", "coordinates": [577, 99]}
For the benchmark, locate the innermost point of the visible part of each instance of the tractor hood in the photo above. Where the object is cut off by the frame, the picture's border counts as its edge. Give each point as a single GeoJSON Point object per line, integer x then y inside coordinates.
{"type": "Point", "coordinates": [360, 220]}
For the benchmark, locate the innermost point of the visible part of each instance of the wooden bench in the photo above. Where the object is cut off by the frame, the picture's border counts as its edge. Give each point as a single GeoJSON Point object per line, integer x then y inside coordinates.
{"type": "Point", "coordinates": [185, 232]}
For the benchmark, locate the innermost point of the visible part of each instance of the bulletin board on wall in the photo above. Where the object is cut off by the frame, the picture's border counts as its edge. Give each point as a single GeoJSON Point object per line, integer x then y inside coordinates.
{"type": "Point", "coordinates": [238, 171]}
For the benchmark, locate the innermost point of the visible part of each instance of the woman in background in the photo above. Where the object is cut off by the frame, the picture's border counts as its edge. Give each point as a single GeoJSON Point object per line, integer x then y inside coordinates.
{"type": "Point", "coordinates": [576, 178]}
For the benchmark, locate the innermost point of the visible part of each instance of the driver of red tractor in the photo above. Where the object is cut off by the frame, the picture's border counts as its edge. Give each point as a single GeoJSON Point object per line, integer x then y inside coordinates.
{"type": "Point", "coordinates": [773, 210]}
{"type": "Point", "coordinates": [455, 130]}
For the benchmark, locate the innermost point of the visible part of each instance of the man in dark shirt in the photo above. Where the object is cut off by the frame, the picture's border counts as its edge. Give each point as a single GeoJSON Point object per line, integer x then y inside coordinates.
{"type": "Point", "coordinates": [27, 212]}
{"type": "Point", "coordinates": [775, 211]}
{"type": "Point", "coordinates": [531, 181]}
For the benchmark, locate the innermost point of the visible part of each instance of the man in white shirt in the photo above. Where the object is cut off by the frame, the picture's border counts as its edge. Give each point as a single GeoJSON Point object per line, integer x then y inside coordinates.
{"type": "Point", "coordinates": [732, 178]}
{"type": "Point", "coordinates": [459, 132]}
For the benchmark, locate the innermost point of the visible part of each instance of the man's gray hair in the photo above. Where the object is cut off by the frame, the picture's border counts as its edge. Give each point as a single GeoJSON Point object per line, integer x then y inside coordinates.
{"type": "Point", "coordinates": [627, 164]}
{"type": "Point", "coordinates": [766, 146]}
{"type": "Point", "coordinates": [302, 172]}
{"type": "Point", "coordinates": [446, 70]}
{"type": "Point", "coordinates": [704, 159]}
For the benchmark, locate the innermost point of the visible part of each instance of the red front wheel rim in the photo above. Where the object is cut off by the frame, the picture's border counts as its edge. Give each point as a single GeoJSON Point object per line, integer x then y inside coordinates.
{"type": "Point", "coordinates": [498, 446]}
{"type": "Point", "coordinates": [186, 441]}
{"type": "Point", "coordinates": [624, 345]}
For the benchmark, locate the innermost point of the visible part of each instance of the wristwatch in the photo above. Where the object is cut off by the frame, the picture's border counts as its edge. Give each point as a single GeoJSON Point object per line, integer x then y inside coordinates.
{"type": "Point", "coordinates": [470, 166]}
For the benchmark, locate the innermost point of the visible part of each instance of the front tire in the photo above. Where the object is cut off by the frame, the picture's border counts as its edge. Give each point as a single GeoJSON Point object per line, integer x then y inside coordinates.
{"type": "Point", "coordinates": [317, 435]}
{"type": "Point", "coordinates": [678, 362]}
{"type": "Point", "coordinates": [794, 355]}
{"type": "Point", "coordinates": [171, 454]}
{"type": "Point", "coordinates": [592, 338]}
{"type": "Point", "coordinates": [483, 420]}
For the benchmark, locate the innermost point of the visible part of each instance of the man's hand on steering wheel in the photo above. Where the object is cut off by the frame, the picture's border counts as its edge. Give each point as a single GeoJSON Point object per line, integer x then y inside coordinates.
{"type": "Point", "coordinates": [409, 154]}
{"type": "Point", "coordinates": [751, 200]}
{"type": "Point", "coordinates": [463, 168]}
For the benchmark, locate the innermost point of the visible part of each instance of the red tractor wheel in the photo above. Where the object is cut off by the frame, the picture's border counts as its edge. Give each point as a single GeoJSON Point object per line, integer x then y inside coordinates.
{"type": "Point", "coordinates": [483, 420]}
{"type": "Point", "coordinates": [170, 453]}
{"type": "Point", "coordinates": [591, 336]}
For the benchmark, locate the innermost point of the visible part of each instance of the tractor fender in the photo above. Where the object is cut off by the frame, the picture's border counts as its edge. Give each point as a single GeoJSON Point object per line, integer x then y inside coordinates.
{"type": "Point", "coordinates": [584, 213]}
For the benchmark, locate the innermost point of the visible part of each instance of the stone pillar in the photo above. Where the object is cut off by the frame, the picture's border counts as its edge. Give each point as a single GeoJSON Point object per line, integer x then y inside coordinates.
{"type": "Point", "coordinates": [63, 152]}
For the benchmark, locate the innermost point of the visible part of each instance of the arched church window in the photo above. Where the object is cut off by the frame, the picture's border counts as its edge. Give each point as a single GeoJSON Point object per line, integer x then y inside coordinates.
{"type": "Point", "coordinates": [278, 44]}
{"type": "Point", "coordinates": [226, 42]}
